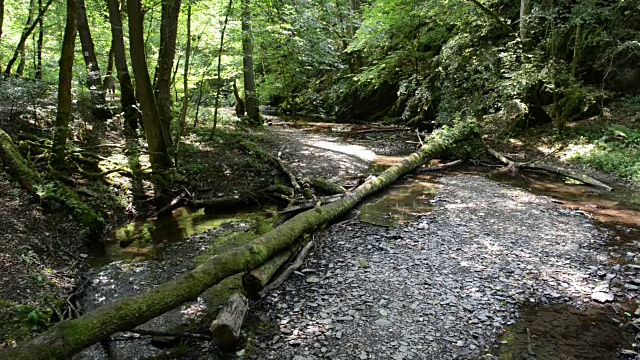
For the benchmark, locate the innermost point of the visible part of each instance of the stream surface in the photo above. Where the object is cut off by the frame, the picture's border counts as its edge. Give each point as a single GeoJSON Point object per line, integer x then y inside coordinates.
{"type": "Point", "coordinates": [460, 265]}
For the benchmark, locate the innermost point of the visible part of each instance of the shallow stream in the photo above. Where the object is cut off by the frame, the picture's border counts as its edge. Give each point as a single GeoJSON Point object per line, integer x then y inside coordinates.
{"type": "Point", "coordinates": [140, 255]}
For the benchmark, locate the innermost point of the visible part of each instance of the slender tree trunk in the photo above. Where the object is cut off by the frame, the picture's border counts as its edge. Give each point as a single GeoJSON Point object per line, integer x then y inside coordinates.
{"type": "Point", "coordinates": [63, 116]}
{"type": "Point", "coordinates": [250, 98]}
{"type": "Point", "coordinates": [185, 97]}
{"type": "Point", "coordinates": [88, 49]}
{"type": "Point", "coordinates": [158, 147]}
{"type": "Point", "coordinates": [23, 53]}
{"type": "Point", "coordinates": [39, 43]}
{"type": "Point", "coordinates": [219, 82]}
{"type": "Point", "coordinates": [110, 64]}
{"type": "Point", "coordinates": [199, 102]}
{"type": "Point", "coordinates": [576, 50]}
{"type": "Point", "coordinates": [94, 80]}
{"type": "Point", "coordinates": [24, 37]}
{"type": "Point", "coordinates": [525, 12]}
{"type": "Point", "coordinates": [1, 17]}
{"type": "Point", "coordinates": [166, 55]}
{"type": "Point", "coordinates": [127, 95]}
{"type": "Point", "coordinates": [173, 78]}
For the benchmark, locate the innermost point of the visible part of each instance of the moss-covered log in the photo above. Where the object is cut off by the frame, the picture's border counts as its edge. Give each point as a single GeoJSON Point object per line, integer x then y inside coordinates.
{"type": "Point", "coordinates": [69, 337]}
{"type": "Point", "coordinates": [326, 187]}
{"type": "Point", "coordinates": [31, 181]}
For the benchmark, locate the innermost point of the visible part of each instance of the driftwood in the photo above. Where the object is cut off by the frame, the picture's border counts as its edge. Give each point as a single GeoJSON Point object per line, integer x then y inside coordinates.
{"type": "Point", "coordinates": [536, 165]}
{"type": "Point", "coordinates": [67, 338]}
{"type": "Point", "coordinates": [255, 280]}
{"type": "Point", "coordinates": [225, 329]}
{"type": "Point", "coordinates": [288, 271]}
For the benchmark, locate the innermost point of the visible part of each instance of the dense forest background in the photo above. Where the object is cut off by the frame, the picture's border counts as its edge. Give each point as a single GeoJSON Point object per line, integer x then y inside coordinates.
{"type": "Point", "coordinates": [407, 61]}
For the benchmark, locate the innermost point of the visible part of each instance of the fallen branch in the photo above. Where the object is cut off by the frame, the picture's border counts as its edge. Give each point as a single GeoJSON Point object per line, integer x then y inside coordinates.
{"type": "Point", "coordinates": [170, 334]}
{"type": "Point", "coordinates": [549, 168]}
{"type": "Point", "coordinates": [292, 178]}
{"type": "Point", "coordinates": [274, 192]}
{"type": "Point", "coordinates": [376, 130]}
{"type": "Point", "coordinates": [288, 271]}
{"type": "Point", "coordinates": [441, 167]}
{"type": "Point", "coordinates": [296, 208]}
{"type": "Point", "coordinates": [66, 338]}
{"type": "Point", "coordinates": [176, 202]}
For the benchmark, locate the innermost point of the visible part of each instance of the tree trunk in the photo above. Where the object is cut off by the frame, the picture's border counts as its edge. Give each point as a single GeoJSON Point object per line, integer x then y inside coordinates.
{"type": "Point", "coordinates": [110, 65]}
{"type": "Point", "coordinates": [166, 55]}
{"type": "Point", "coordinates": [525, 12]}
{"type": "Point", "coordinates": [24, 37]}
{"type": "Point", "coordinates": [23, 55]}
{"type": "Point", "coordinates": [158, 147]}
{"type": "Point", "coordinates": [250, 99]}
{"type": "Point", "coordinates": [185, 99]}
{"type": "Point", "coordinates": [506, 29]}
{"type": "Point", "coordinates": [63, 115]}
{"type": "Point", "coordinates": [127, 95]}
{"type": "Point", "coordinates": [69, 337]}
{"type": "Point", "coordinates": [1, 17]}
{"type": "Point", "coordinates": [576, 50]}
{"type": "Point", "coordinates": [39, 44]}
{"type": "Point", "coordinates": [219, 83]}
{"type": "Point", "coordinates": [94, 80]}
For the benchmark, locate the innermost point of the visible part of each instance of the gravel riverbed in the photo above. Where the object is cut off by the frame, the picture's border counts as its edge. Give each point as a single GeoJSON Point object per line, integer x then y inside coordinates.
{"type": "Point", "coordinates": [444, 287]}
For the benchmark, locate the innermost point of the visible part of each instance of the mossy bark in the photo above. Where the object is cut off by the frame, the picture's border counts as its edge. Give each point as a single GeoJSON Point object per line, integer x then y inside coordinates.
{"type": "Point", "coordinates": [69, 337]}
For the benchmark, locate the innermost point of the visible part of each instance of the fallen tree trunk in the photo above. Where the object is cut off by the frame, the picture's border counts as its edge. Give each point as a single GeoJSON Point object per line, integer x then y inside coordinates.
{"type": "Point", "coordinates": [255, 280]}
{"type": "Point", "coordinates": [69, 337]}
{"type": "Point", "coordinates": [326, 187]}
{"type": "Point", "coordinates": [536, 165]}
{"type": "Point", "coordinates": [31, 181]}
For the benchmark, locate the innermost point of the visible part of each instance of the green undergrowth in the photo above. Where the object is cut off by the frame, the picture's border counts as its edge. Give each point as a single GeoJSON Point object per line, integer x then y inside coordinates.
{"type": "Point", "coordinates": [19, 322]}
{"type": "Point", "coordinates": [614, 149]}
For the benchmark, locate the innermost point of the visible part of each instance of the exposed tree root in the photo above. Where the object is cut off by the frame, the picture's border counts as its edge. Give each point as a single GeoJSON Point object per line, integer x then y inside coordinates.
{"type": "Point", "coordinates": [48, 193]}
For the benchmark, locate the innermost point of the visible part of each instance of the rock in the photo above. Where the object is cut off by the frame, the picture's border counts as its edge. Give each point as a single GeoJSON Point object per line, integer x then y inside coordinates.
{"type": "Point", "coordinates": [312, 279]}
{"type": "Point", "coordinates": [602, 297]}
{"type": "Point", "coordinates": [383, 322]}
